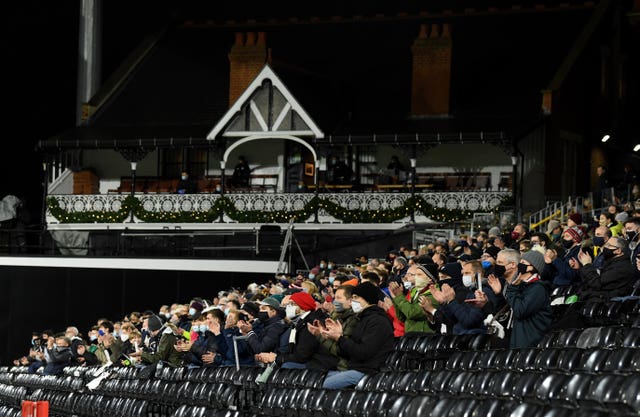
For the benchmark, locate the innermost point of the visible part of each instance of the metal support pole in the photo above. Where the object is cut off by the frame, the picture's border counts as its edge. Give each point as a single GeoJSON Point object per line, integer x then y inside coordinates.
{"type": "Point", "coordinates": [134, 165]}
{"type": "Point", "coordinates": [222, 167]}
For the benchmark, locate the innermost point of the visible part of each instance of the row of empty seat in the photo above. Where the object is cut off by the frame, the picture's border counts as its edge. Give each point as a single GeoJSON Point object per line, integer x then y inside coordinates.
{"type": "Point", "coordinates": [590, 372]}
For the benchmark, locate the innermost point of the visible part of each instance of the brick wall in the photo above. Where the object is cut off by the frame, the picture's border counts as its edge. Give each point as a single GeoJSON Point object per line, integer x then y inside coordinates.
{"type": "Point", "coordinates": [431, 74]}
{"type": "Point", "coordinates": [246, 58]}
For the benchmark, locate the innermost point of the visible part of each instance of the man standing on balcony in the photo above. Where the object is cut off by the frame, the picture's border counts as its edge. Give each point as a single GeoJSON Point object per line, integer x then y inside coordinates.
{"type": "Point", "coordinates": [602, 186]}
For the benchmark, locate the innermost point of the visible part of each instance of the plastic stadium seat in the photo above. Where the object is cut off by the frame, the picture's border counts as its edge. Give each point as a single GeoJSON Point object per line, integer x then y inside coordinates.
{"type": "Point", "coordinates": [502, 384]}
{"type": "Point", "coordinates": [599, 337]}
{"type": "Point", "coordinates": [528, 410]}
{"type": "Point", "coordinates": [549, 388]}
{"type": "Point", "coordinates": [623, 360]}
{"type": "Point", "coordinates": [569, 359]}
{"type": "Point", "coordinates": [526, 359]}
{"type": "Point", "coordinates": [400, 405]}
{"type": "Point", "coordinates": [594, 362]}
{"type": "Point", "coordinates": [547, 359]}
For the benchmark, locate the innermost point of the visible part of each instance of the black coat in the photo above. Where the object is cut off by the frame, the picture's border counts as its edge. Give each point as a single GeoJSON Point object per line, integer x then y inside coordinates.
{"type": "Point", "coordinates": [371, 341]}
{"type": "Point", "coordinates": [307, 349]}
{"type": "Point", "coordinates": [269, 340]}
{"type": "Point", "coordinates": [615, 279]}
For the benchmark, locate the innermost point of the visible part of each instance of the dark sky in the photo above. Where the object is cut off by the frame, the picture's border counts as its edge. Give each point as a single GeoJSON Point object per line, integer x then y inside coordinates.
{"type": "Point", "coordinates": [39, 48]}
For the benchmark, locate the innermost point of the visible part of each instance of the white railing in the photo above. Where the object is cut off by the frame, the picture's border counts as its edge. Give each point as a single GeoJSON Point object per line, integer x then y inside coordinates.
{"type": "Point", "coordinates": [474, 201]}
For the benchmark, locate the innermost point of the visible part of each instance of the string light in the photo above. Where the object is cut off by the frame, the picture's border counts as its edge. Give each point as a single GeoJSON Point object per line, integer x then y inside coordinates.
{"type": "Point", "coordinates": [225, 206]}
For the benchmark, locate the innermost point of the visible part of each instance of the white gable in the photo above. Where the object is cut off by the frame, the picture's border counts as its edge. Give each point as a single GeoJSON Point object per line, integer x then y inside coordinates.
{"type": "Point", "coordinates": [266, 108]}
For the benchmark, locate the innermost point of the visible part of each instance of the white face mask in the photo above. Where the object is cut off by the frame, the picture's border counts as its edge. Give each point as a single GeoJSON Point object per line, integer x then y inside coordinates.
{"type": "Point", "coordinates": [356, 306]}
{"type": "Point", "coordinates": [467, 281]}
{"type": "Point", "coordinates": [291, 311]}
{"type": "Point", "coordinates": [407, 285]}
{"type": "Point", "coordinates": [124, 337]}
{"type": "Point", "coordinates": [192, 311]}
{"type": "Point", "coordinates": [184, 177]}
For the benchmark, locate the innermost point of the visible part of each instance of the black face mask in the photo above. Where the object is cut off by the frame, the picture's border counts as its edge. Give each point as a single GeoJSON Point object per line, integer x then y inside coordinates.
{"type": "Point", "coordinates": [522, 268]}
{"type": "Point", "coordinates": [567, 244]}
{"type": "Point", "coordinates": [607, 253]}
{"type": "Point", "coordinates": [598, 241]}
{"type": "Point", "coordinates": [499, 270]}
{"type": "Point", "coordinates": [263, 316]}
{"type": "Point", "coordinates": [631, 235]}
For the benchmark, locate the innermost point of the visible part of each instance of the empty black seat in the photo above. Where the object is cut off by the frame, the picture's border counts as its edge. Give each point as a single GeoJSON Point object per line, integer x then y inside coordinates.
{"type": "Point", "coordinates": [623, 360]}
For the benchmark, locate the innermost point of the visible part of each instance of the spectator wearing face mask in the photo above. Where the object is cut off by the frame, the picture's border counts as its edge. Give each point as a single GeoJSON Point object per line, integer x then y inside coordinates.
{"type": "Point", "coordinates": [528, 297]}
{"type": "Point", "coordinates": [344, 314]}
{"type": "Point", "coordinates": [59, 355]}
{"type": "Point", "coordinates": [558, 268]}
{"type": "Point", "coordinates": [408, 309]}
{"type": "Point", "coordinates": [210, 347]}
{"type": "Point", "coordinates": [305, 351]}
{"type": "Point", "coordinates": [457, 311]}
{"type": "Point", "coordinates": [268, 340]}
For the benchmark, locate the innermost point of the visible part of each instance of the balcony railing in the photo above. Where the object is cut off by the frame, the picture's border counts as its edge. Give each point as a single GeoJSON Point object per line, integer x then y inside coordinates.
{"type": "Point", "coordinates": [331, 207]}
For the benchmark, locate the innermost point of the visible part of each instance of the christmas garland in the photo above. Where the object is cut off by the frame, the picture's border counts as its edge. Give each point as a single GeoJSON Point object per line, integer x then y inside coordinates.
{"type": "Point", "coordinates": [223, 205]}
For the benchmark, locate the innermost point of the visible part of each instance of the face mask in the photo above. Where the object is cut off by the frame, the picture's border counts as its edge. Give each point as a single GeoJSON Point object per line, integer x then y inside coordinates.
{"type": "Point", "coordinates": [515, 235]}
{"type": "Point", "coordinates": [263, 316]}
{"type": "Point", "coordinates": [192, 311]}
{"type": "Point", "coordinates": [356, 306]}
{"type": "Point", "coordinates": [631, 235]}
{"type": "Point", "coordinates": [555, 236]}
{"type": "Point", "coordinates": [607, 253]}
{"type": "Point", "coordinates": [567, 244]}
{"type": "Point", "coordinates": [93, 338]}
{"type": "Point", "coordinates": [184, 177]}
{"type": "Point", "coordinates": [203, 328]}
{"type": "Point", "coordinates": [226, 311]}
{"type": "Point", "coordinates": [467, 281]}
{"type": "Point", "coordinates": [312, 276]}
{"type": "Point", "coordinates": [499, 270]}
{"type": "Point", "coordinates": [338, 306]}
{"type": "Point", "coordinates": [124, 337]}
{"type": "Point", "coordinates": [407, 285]}
{"type": "Point", "coordinates": [330, 267]}
{"type": "Point", "coordinates": [291, 311]}
{"type": "Point", "coordinates": [323, 266]}
{"type": "Point", "coordinates": [598, 241]}
{"type": "Point", "coordinates": [331, 279]}
{"type": "Point", "coordinates": [522, 268]}
{"type": "Point", "coordinates": [167, 315]}
{"type": "Point", "coordinates": [486, 264]}
{"type": "Point", "coordinates": [116, 334]}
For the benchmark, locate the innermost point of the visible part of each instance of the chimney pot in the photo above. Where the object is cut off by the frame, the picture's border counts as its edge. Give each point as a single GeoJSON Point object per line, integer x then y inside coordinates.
{"type": "Point", "coordinates": [251, 39]}
{"type": "Point", "coordinates": [434, 32]}
{"type": "Point", "coordinates": [423, 32]}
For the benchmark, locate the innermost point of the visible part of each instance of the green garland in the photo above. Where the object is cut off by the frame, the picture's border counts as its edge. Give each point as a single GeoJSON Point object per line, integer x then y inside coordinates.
{"type": "Point", "coordinates": [226, 206]}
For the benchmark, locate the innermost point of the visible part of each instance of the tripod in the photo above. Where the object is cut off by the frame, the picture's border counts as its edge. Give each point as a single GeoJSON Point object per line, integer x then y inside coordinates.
{"type": "Point", "coordinates": [286, 246]}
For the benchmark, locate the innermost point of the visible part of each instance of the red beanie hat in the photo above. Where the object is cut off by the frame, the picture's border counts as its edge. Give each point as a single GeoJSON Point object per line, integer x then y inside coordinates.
{"type": "Point", "coordinates": [304, 301]}
{"type": "Point", "coordinates": [576, 233]}
{"type": "Point", "coordinates": [576, 217]}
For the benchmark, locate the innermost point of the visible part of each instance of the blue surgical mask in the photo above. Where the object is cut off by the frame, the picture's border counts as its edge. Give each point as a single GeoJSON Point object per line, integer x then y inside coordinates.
{"type": "Point", "coordinates": [203, 328]}
{"type": "Point", "coordinates": [312, 276]}
{"type": "Point", "coordinates": [93, 338]}
{"type": "Point", "coordinates": [183, 177]}
{"type": "Point", "coordinates": [226, 311]}
{"type": "Point", "coordinates": [192, 311]}
{"type": "Point", "coordinates": [331, 279]}
{"type": "Point", "coordinates": [338, 306]}
{"type": "Point", "coordinates": [486, 264]}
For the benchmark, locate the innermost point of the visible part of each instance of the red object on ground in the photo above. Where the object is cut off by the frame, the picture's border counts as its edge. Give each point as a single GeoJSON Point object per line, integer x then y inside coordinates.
{"type": "Point", "coordinates": [35, 409]}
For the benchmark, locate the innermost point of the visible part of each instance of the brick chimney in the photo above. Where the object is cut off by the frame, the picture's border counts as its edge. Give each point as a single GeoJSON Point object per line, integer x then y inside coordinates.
{"type": "Point", "coordinates": [246, 58]}
{"type": "Point", "coordinates": [431, 74]}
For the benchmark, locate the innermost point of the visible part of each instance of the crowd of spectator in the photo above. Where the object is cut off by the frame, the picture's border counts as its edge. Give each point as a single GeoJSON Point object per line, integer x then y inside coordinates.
{"type": "Point", "coordinates": [344, 318]}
